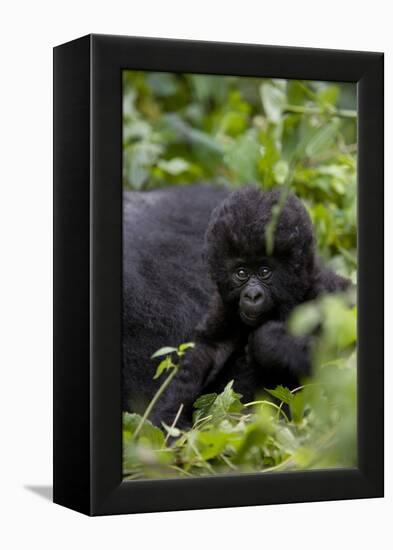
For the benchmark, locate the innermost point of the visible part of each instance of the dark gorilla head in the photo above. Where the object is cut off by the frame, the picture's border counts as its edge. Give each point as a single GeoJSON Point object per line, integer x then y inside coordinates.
{"type": "Point", "coordinates": [257, 285]}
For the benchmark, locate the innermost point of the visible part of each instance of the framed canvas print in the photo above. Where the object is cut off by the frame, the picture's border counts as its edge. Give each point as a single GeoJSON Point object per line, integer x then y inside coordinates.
{"type": "Point", "coordinates": [218, 275]}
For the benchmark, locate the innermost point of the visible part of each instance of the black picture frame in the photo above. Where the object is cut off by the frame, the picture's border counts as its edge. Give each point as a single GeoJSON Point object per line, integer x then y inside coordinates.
{"type": "Point", "coordinates": [88, 274]}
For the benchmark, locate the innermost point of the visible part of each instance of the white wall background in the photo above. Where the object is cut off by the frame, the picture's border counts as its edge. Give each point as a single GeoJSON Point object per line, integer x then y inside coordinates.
{"type": "Point", "coordinates": [28, 31]}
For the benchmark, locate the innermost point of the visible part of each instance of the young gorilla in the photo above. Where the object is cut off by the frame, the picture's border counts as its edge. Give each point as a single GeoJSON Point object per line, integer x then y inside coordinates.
{"type": "Point", "coordinates": [252, 298]}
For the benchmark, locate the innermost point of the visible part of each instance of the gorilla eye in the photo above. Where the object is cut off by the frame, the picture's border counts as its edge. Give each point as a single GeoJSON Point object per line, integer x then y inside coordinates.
{"type": "Point", "coordinates": [241, 274]}
{"type": "Point", "coordinates": [264, 272]}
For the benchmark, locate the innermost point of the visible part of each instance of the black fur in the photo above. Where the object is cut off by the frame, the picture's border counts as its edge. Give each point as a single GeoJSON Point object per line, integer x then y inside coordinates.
{"type": "Point", "coordinates": [165, 284]}
{"type": "Point", "coordinates": [166, 292]}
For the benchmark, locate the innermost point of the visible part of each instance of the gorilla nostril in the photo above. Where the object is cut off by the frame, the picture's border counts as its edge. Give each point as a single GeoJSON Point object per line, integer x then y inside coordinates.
{"type": "Point", "coordinates": [253, 295]}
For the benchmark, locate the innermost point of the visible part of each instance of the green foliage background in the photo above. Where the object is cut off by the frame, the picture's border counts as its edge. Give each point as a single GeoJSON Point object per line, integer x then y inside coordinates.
{"type": "Point", "coordinates": [178, 129]}
{"type": "Point", "coordinates": [298, 135]}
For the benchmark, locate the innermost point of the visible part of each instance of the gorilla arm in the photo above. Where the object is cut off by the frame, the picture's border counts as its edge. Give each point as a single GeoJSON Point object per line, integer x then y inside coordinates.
{"type": "Point", "coordinates": [214, 344]}
{"type": "Point", "coordinates": [272, 347]}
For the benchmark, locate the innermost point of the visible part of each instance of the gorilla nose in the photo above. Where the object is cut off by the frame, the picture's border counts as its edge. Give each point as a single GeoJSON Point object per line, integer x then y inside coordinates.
{"type": "Point", "coordinates": [253, 295]}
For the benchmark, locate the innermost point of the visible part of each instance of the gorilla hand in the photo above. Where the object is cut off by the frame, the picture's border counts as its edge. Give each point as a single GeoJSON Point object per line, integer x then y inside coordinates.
{"type": "Point", "coordinates": [271, 347]}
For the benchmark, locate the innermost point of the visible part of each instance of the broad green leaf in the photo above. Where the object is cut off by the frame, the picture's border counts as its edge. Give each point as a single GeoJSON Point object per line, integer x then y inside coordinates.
{"type": "Point", "coordinates": [211, 444]}
{"type": "Point", "coordinates": [205, 400]}
{"type": "Point", "coordinates": [340, 322]}
{"type": "Point", "coordinates": [130, 421]}
{"type": "Point", "coordinates": [304, 319]}
{"type": "Point", "coordinates": [217, 406]}
{"type": "Point", "coordinates": [242, 156]}
{"type": "Point", "coordinates": [281, 393]}
{"type": "Point", "coordinates": [227, 401]}
{"type": "Point", "coordinates": [151, 434]}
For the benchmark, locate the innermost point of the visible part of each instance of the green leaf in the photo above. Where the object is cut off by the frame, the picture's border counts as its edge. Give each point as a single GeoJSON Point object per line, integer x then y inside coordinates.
{"type": "Point", "coordinates": [187, 133]}
{"type": "Point", "coordinates": [322, 138]}
{"type": "Point", "coordinates": [327, 96]}
{"type": "Point", "coordinates": [304, 319]}
{"type": "Point", "coordinates": [211, 444]}
{"type": "Point", "coordinates": [138, 129]}
{"type": "Point", "coordinates": [242, 156]}
{"type": "Point", "coordinates": [187, 345]}
{"type": "Point", "coordinates": [227, 401]}
{"type": "Point", "coordinates": [274, 99]}
{"type": "Point", "coordinates": [163, 351]}
{"type": "Point", "coordinates": [174, 166]}
{"type": "Point", "coordinates": [218, 406]}
{"type": "Point", "coordinates": [152, 435]}
{"type": "Point", "coordinates": [256, 435]}
{"type": "Point", "coordinates": [205, 401]}
{"type": "Point", "coordinates": [162, 84]}
{"type": "Point", "coordinates": [281, 171]}
{"type": "Point", "coordinates": [207, 87]}
{"type": "Point", "coordinates": [138, 160]}
{"type": "Point", "coordinates": [340, 322]}
{"type": "Point", "coordinates": [233, 123]}
{"type": "Point", "coordinates": [281, 393]}
{"type": "Point", "coordinates": [166, 364]}
{"type": "Point", "coordinates": [130, 421]}
{"type": "Point", "coordinates": [287, 440]}
{"type": "Point", "coordinates": [203, 406]}
{"type": "Point", "coordinates": [297, 407]}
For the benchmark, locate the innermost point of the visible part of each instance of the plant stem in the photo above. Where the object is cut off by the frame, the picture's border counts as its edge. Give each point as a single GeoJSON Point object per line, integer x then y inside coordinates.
{"type": "Point", "coordinates": [264, 402]}
{"type": "Point", "coordinates": [276, 211]}
{"type": "Point", "coordinates": [228, 462]}
{"type": "Point", "coordinates": [156, 397]}
{"type": "Point", "coordinates": [282, 466]}
{"type": "Point", "coordinates": [174, 422]}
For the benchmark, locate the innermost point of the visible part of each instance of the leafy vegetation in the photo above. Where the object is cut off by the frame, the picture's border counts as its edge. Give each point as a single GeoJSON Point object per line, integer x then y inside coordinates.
{"type": "Point", "coordinates": [313, 426]}
{"type": "Point", "coordinates": [178, 129]}
{"type": "Point", "coordinates": [299, 136]}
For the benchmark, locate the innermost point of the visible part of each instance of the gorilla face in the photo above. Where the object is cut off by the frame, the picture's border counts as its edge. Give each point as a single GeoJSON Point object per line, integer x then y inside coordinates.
{"type": "Point", "coordinates": [260, 287]}
{"type": "Point", "coordinates": [250, 284]}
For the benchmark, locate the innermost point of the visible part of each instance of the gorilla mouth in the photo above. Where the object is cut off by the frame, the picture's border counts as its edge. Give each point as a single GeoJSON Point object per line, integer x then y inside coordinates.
{"type": "Point", "coordinates": [249, 318]}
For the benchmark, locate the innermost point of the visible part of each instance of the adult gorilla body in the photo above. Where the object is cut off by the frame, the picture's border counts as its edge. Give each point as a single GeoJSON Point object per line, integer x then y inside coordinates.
{"type": "Point", "coordinates": [166, 287]}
